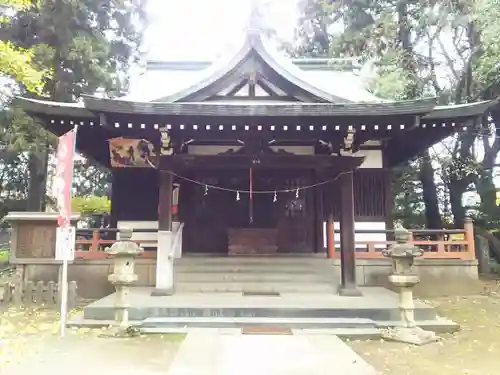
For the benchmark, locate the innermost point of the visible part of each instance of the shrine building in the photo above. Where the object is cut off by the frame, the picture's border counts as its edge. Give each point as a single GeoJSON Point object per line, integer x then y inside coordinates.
{"type": "Point", "coordinates": [258, 155]}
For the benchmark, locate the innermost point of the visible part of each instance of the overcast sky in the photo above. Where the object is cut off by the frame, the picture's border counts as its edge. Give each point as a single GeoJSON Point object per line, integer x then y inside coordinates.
{"type": "Point", "coordinates": [202, 29]}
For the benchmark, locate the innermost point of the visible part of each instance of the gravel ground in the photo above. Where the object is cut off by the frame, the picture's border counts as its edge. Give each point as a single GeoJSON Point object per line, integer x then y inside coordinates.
{"type": "Point", "coordinates": [473, 350]}
{"type": "Point", "coordinates": [30, 344]}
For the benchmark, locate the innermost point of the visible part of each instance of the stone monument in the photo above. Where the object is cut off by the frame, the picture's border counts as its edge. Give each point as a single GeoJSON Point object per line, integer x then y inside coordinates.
{"type": "Point", "coordinates": [403, 277]}
{"type": "Point", "coordinates": [124, 253]}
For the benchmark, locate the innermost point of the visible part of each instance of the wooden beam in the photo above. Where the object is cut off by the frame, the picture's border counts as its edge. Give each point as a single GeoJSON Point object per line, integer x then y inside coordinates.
{"type": "Point", "coordinates": [262, 161]}
{"type": "Point", "coordinates": [272, 91]}
{"type": "Point", "coordinates": [251, 85]}
{"type": "Point", "coordinates": [347, 240]}
{"type": "Point", "coordinates": [237, 87]}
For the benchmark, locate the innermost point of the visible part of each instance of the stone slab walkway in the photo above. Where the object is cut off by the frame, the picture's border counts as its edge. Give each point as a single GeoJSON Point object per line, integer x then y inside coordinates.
{"type": "Point", "coordinates": [208, 351]}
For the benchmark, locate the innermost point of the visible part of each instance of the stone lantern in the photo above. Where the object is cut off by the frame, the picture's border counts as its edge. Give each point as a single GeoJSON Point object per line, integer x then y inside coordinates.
{"type": "Point", "coordinates": [124, 253]}
{"type": "Point", "coordinates": [403, 277]}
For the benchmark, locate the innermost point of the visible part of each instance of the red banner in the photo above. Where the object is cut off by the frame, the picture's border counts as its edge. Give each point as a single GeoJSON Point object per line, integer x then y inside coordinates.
{"type": "Point", "coordinates": [64, 177]}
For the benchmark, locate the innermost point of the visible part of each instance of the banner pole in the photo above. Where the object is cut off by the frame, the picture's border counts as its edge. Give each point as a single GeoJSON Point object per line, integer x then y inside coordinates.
{"type": "Point", "coordinates": [64, 270]}
{"type": "Point", "coordinates": [64, 297]}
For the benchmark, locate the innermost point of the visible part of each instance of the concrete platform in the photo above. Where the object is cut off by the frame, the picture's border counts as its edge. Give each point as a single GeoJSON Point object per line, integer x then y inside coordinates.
{"type": "Point", "coordinates": [376, 309]}
{"type": "Point", "coordinates": [376, 303]}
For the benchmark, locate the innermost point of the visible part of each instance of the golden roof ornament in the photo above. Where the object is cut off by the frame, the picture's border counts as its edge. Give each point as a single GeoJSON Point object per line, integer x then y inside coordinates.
{"type": "Point", "coordinates": [348, 142]}
{"type": "Point", "coordinates": [165, 142]}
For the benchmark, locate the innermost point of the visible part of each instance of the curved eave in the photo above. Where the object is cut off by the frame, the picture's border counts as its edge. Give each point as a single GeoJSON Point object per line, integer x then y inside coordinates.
{"type": "Point", "coordinates": [401, 108]}
{"type": "Point", "coordinates": [253, 43]}
{"type": "Point", "coordinates": [461, 110]}
{"type": "Point", "coordinates": [49, 108]}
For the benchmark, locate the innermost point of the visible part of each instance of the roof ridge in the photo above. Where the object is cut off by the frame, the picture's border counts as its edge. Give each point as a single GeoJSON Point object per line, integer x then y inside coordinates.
{"type": "Point", "coordinates": [304, 62]}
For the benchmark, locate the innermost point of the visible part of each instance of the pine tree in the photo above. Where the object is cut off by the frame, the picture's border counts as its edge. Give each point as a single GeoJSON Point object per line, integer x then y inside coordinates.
{"type": "Point", "coordinates": [87, 45]}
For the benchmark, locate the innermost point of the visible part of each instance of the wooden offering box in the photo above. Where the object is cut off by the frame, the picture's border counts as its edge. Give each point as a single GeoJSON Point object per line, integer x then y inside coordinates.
{"type": "Point", "coordinates": [252, 241]}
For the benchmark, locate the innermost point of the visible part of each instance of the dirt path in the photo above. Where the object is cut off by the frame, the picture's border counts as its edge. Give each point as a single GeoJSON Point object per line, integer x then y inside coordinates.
{"type": "Point", "coordinates": [473, 350]}
{"type": "Point", "coordinates": [30, 344]}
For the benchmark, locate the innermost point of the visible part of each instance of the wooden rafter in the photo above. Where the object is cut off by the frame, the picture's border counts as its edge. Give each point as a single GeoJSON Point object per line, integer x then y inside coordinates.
{"type": "Point", "coordinates": [237, 87]}
{"type": "Point", "coordinates": [268, 87]}
{"type": "Point", "coordinates": [252, 80]}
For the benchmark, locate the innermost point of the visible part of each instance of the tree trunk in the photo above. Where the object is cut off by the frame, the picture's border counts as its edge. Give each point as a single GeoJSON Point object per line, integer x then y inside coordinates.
{"type": "Point", "coordinates": [487, 192]}
{"type": "Point", "coordinates": [432, 214]}
{"type": "Point", "coordinates": [38, 162]}
{"type": "Point", "coordinates": [485, 184]}
{"type": "Point", "coordinates": [37, 184]}
{"type": "Point", "coordinates": [457, 189]}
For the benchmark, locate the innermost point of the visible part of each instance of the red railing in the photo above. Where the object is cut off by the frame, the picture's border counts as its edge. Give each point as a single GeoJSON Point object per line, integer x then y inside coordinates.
{"type": "Point", "coordinates": [437, 243]}
{"type": "Point", "coordinates": [91, 243]}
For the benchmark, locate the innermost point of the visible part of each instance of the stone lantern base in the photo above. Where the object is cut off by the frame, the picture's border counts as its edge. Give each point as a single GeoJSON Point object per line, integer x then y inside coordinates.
{"type": "Point", "coordinates": [114, 331]}
{"type": "Point", "coordinates": [410, 335]}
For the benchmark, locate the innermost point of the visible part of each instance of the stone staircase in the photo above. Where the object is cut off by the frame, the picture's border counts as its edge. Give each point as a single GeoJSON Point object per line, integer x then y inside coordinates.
{"type": "Point", "coordinates": [255, 275]}
{"type": "Point", "coordinates": [266, 292]}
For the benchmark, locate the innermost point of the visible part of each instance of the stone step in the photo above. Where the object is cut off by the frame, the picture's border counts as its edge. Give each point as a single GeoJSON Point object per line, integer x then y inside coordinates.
{"type": "Point", "coordinates": [155, 325]}
{"type": "Point", "coordinates": [257, 263]}
{"type": "Point", "coordinates": [254, 268]}
{"type": "Point", "coordinates": [362, 333]}
{"type": "Point", "coordinates": [241, 286]}
{"type": "Point", "coordinates": [379, 314]}
{"type": "Point", "coordinates": [438, 325]}
{"type": "Point", "coordinates": [258, 277]}
{"type": "Point", "coordinates": [287, 259]}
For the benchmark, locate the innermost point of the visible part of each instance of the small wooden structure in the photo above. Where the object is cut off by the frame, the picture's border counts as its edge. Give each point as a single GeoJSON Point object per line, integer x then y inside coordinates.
{"type": "Point", "coordinates": [267, 162]}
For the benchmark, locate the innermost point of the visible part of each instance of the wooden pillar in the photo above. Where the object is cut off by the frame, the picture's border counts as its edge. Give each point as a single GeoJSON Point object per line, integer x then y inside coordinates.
{"type": "Point", "coordinates": [319, 217]}
{"type": "Point", "coordinates": [347, 242]}
{"type": "Point", "coordinates": [113, 217]}
{"type": "Point", "coordinates": [164, 255]}
{"type": "Point", "coordinates": [330, 237]}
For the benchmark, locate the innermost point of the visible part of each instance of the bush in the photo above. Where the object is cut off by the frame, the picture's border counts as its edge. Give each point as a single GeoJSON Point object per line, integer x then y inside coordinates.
{"type": "Point", "coordinates": [4, 255]}
{"type": "Point", "coordinates": [91, 205]}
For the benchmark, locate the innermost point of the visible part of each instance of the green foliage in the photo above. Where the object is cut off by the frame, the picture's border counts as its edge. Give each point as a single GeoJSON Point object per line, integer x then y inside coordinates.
{"type": "Point", "coordinates": [486, 14]}
{"type": "Point", "coordinates": [90, 179]}
{"type": "Point", "coordinates": [17, 63]}
{"type": "Point", "coordinates": [312, 33]}
{"type": "Point", "coordinates": [4, 255]}
{"type": "Point", "coordinates": [91, 205]}
{"type": "Point", "coordinates": [408, 207]}
{"type": "Point", "coordinates": [391, 82]}
{"type": "Point", "coordinates": [420, 49]}
{"type": "Point", "coordinates": [22, 133]}
{"type": "Point", "coordinates": [86, 45]}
